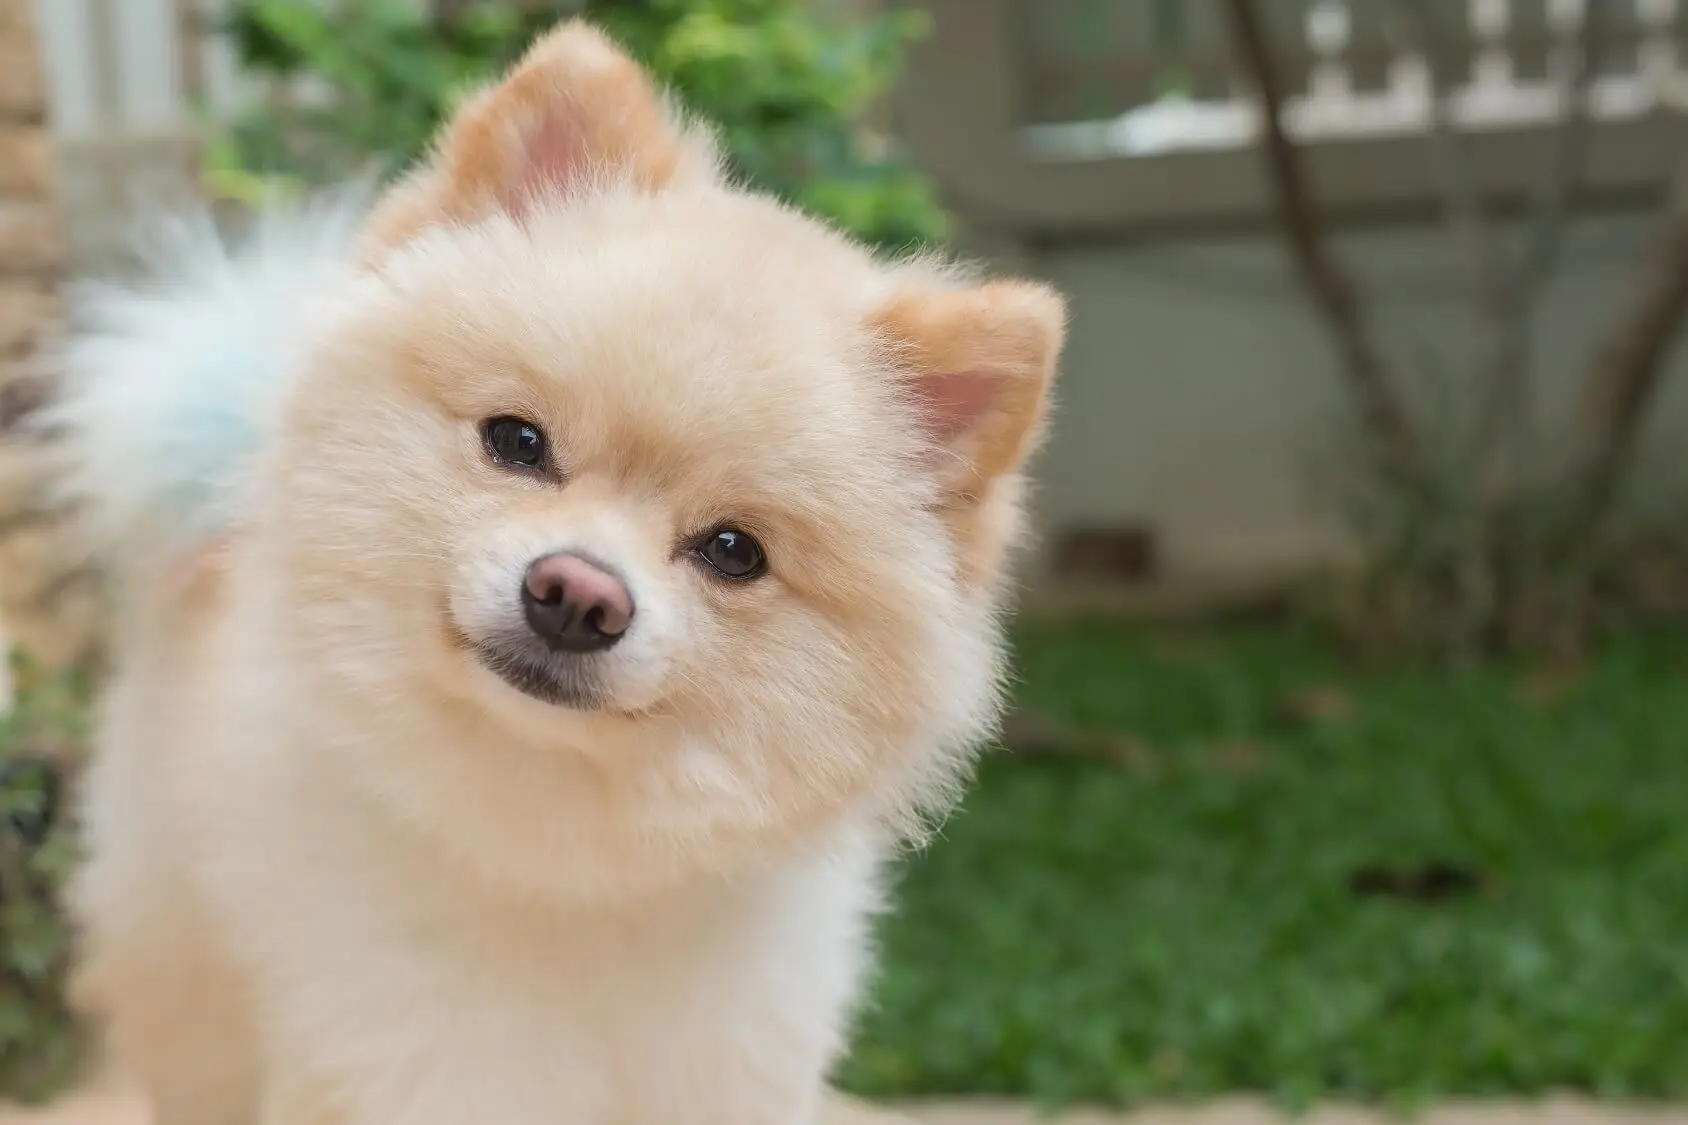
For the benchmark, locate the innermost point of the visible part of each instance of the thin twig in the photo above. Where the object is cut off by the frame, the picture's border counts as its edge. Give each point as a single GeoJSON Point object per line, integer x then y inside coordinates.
{"type": "Point", "coordinates": [1629, 362]}
{"type": "Point", "coordinates": [1503, 417]}
{"type": "Point", "coordinates": [1468, 220]}
{"type": "Point", "coordinates": [1507, 296]}
{"type": "Point", "coordinates": [1473, 233]}
{"type": "Point", "coordinates": [1570, 141]}
{"type": "Point", "coordinates": [1332, 290]}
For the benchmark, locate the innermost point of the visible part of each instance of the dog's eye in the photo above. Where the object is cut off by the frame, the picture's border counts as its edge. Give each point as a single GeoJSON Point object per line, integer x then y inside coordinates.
{"type": "Point", "coordinates": [514, 442]}
{"type": "Point", "coordinates": [733, 554]}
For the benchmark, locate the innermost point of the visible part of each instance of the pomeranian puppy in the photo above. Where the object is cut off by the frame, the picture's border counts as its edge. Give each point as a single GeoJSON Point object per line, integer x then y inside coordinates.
{"type": "Point", "coordinates": [544, 601]}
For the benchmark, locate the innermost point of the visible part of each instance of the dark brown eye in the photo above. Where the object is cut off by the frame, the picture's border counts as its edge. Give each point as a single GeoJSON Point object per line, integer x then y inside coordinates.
{"type": "Point", "coordinates": [733, 554]}
{"type": "Point", "coordinates": [516, 443]}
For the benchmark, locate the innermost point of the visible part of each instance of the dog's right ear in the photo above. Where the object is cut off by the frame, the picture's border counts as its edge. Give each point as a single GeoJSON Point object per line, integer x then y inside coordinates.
{"type": "Point", "coordinates": [574, 114]}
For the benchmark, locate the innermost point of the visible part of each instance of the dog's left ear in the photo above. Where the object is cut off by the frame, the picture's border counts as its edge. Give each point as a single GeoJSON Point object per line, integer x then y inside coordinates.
{"type": "Point", "coordinates": [978, 364]}
{"type": "Point", "coordinates": [574, 114]}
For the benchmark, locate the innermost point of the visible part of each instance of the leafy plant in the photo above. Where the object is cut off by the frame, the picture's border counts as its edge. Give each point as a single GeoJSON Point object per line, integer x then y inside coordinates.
{"type": "Point", "coordinates": [40, 744]}
{"type": "Point", "coordinates": [358, 89]}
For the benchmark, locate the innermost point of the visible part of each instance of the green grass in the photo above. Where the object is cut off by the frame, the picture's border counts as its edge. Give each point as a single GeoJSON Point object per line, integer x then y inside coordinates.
{"type": "Point", "coordinates": [1182, 922]}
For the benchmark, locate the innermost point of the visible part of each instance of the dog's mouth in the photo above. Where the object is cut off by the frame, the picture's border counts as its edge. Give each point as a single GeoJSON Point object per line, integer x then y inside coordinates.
{"type": "Point", "coordinates": [559, 679]}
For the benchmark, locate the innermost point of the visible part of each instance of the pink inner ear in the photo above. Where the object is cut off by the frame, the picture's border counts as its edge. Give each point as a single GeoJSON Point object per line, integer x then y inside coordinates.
{"type": "Point", "coordinates": [952, 403]}
{"type": "Point", "coordinates": [552, 156]}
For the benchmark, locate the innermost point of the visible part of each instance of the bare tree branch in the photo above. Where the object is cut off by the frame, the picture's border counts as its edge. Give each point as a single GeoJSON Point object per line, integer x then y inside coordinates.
{"type": "Point", "coordinates": [1468, 221]}
{"type": "Point", "coordinates": [1508, 399]}
{"type": "Point", "coordinates": [1570, 142]}
{"type": "Point", "coordinates": [1333, 292]}
{"type": "Point", "coordinates": [1630, 360]}
{"type": "Point", "coordinates": [1507, 296]}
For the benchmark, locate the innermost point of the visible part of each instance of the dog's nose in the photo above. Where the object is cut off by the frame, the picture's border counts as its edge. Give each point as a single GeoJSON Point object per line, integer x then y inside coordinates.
{"type": "Point", "coordinates": [574, 605]}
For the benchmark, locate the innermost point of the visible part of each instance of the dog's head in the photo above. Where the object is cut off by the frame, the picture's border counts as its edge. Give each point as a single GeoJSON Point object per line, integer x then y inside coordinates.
{"type": "Point", "coordinates": [630, 481]}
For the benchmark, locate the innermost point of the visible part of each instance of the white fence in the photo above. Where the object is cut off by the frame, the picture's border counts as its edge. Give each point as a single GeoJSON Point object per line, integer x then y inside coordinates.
{"type": "Point", "coordinates": [128, 84]}
{"type": "Point", "coordinates": [1360, 81]}
{"type": "Point", "coordinates": [1491, 39]}
{"type": "Point", "coordinates": [1077, 116]}
{"type": "Point", "coordinates": [1036, 104]}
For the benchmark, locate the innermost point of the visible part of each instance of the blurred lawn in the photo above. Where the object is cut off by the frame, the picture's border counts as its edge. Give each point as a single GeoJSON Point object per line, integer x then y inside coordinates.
{"type": "Point", "coordinates": [1184, 921]}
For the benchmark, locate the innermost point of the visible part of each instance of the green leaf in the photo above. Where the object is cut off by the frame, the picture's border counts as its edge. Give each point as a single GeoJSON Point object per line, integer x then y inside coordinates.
{"type": "Point", "coordinates": [786, 87]}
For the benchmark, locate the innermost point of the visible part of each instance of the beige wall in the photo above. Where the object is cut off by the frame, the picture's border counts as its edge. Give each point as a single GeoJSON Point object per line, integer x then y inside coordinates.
{"type": "Point", "coordinates": [1200, 397]}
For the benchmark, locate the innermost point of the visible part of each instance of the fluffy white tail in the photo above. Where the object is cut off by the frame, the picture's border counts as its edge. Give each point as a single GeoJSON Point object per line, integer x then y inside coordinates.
{"type": "Point", "coordinates": [169, 383]}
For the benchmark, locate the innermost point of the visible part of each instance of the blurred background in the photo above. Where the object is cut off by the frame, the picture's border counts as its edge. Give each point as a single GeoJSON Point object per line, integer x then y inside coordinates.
{"type": "Point", "coordinates": [1349, 755]}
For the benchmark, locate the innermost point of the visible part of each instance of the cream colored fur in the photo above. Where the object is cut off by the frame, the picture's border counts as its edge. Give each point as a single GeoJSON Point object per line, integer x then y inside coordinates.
{"type": "Point", "coordinates": [341, 872]}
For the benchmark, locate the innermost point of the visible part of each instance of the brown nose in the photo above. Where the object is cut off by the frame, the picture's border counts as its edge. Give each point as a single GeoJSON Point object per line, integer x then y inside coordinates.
{"type": "Point", "coordinates": [574, 605]}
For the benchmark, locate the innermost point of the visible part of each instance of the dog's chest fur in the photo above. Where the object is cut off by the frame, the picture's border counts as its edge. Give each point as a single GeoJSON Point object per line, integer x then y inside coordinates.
{"type": "Point", "coordinates": [387, 971]}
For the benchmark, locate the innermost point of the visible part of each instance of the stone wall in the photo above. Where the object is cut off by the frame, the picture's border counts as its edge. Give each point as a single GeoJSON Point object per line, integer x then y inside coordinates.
{"type": "Point", "coordinates": [46, 608]}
